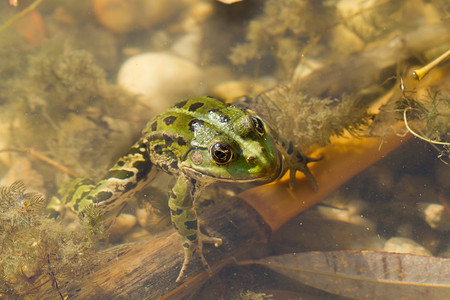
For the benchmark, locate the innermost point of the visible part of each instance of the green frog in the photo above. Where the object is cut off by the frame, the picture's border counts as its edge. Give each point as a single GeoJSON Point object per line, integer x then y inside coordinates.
{"type": "Point", "coordinates": [200, 140]}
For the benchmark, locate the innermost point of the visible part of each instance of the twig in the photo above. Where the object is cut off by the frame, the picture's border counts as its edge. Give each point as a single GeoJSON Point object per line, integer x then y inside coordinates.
{"type": "Point", "coordinates": [20, 15]}
{"type": "Point", "coordinates": [43, 158]}
{"type": "Point", "coordinates": [52, 275]}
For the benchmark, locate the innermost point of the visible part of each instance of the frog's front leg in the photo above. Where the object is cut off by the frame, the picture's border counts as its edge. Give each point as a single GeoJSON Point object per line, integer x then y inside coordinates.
{"type": "Point", "coordinates": [184, 219]}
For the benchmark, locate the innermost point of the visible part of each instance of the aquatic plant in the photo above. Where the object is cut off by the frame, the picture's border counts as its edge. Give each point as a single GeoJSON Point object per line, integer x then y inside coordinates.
{"type": "Point", "coordinates": [36, 250]}
{"type": "Point", "coordinates": [428, 119]}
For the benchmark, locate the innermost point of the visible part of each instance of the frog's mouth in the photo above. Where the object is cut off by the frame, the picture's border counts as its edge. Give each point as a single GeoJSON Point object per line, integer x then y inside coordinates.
{"type": "Point", "coordinates": [277, 172]}
{"type": "Point", "coordinates": [210, 178]}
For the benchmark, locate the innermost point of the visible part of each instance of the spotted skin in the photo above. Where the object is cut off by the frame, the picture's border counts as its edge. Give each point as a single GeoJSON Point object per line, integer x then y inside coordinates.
{"type": "Point", "coordinates": [200, 140]}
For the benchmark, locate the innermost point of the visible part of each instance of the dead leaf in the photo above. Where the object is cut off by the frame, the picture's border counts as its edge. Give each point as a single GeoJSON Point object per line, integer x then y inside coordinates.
{"type": "Point", "coordinates": [367, 274]}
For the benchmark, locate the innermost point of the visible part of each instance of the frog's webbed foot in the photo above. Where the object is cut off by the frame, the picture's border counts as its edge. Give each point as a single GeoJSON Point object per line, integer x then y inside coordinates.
{"type": "Point", "coordinates": [300, 163]}
{"type": "Point", "coordinates": [196, 248]}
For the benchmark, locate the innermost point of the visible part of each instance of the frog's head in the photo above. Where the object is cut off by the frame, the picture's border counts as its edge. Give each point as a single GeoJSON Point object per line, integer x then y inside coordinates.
{"type": "Point", "coordinates": [242, 150]}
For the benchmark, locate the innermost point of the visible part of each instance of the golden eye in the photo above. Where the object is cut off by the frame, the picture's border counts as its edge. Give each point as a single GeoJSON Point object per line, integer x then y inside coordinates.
{"type": "Point", "coordinates": [221, 153]}
{"type": "Point", "coordinates": [259, 125]}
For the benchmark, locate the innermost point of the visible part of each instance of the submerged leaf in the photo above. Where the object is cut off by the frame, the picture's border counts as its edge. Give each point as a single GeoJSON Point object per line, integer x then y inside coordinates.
{"type": "Point", "coordinates": [367, 274]}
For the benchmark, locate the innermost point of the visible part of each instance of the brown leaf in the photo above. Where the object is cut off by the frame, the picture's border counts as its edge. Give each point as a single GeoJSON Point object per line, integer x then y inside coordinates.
{"type": "Point", "coordinates": [367, 274]}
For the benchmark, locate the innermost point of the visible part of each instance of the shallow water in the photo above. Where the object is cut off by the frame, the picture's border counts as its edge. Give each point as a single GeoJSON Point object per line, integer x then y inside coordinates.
{"type": "Point", "coordinates": [79, 81]}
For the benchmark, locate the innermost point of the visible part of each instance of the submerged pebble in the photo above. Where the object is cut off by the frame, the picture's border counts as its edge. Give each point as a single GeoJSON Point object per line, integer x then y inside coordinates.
{"type": "Point", "coordinates": [188, 47]}
{"type": "Point", "coordinates": [161, 78]}
{"type": "Point", "coordinates": [405, 245]}
{"type": "Point", "coordinates": [435, 216]}
{"type": "Point", "coordinates": [122, 224]}
{"type": "Point", "coordinates": [123, 16]}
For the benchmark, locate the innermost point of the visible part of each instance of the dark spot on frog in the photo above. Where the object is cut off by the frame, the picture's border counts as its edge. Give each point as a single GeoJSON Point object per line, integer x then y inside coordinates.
{"type": "Point", "coordinates": [154, 126]}
{"type": "Point", "coordinates": [158, 149]}
{"type": "Point", "coordinates": [168, 140]}
{"type": "Point", "coordinates": [120, 174]}
{"type": "Point", "coordinates": [192, 237]}
{"type": "Point", "coordinates": [176, 212]}
{"type": "Point", "coordinates": [181, 141]}
{"type": "Point", "coordinates": [169, 120]}
{"type": "Point", "coordinates": [195, 123]}
{"type": "Point", "coordinates": [173, 195]}
{"type": "Point", "coordinates": [144, 167]}
{"type": "Point", "coordinates": [194, 186]}
{"type": "Point", "coordinates": [129, 186]}
{"type": "Point", "coordinates": [186, 245]}
{"type": "Point", "coordinates": [191, 224]}
{"type": "Point", "coordinates": [174, 165]}
{"type": "Point", "coordinates": [195, 106]}
{"type": "Point", "coordinates": [120, 163]}
{"type": "Point", "coordinates": [290, 149]}
{"type": "Point", "coordinates": [181, 104]}
{"type": "Point", "coordinates": [103, 196]}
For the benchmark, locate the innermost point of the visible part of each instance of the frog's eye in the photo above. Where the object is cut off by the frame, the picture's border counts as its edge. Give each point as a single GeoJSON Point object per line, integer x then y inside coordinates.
{"type": "Point", "coordinates": [259, 126]}
{"type": "Point", "coordinates": [221, 153]}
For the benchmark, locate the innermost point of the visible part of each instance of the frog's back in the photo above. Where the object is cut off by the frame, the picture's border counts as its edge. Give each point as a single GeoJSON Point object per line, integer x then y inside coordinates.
{"type": "Point", "coordinates": [187, 117]}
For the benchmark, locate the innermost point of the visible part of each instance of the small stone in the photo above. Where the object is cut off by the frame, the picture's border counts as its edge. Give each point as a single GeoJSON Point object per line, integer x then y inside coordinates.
{"type": "Point", "coordinates": [405, 245]}
{"type": "Point", "coordinates": [142, 216]}
{"type": "Point", "coordinates": [136, 234]}
{"type": "Point", "coordinates": [230, 89]}
{"type": "Point", "coordinates": [435, 216]}
{"type": "Point", "coordinates": [22, 169]}
{"type": "Point", "coordinates": [201, 11]}
{"type": "Point", "coordinates": [346, 209]}
{"type": "Point", "coordinates": [345, 41]}
{"type": "Point", "coordinates": [305, 67]}
{"type": "Point", "coordinates": [150, 220]}
{"type": "Point", "coordinates": [188, 47]}
{"type": "Point", "coordinates": [122, 224]}
{"type": "Point", "coordinates": [123, 16]}
{"type": "Point", "coordinates": [161, 79]}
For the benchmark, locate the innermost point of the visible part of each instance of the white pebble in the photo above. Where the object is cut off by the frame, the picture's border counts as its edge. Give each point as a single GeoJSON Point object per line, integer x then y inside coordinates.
{"type": "Point", "coordinates": [435, 216]}
{"type": "Point", "coordinates": [162, 79]}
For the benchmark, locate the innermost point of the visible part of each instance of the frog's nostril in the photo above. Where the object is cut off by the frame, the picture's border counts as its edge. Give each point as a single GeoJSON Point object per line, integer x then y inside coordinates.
{"type": "Point", "coordinates": [250, 159]}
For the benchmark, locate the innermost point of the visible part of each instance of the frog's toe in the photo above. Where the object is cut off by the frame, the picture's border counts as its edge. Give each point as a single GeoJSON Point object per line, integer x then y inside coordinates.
{"type": "Point", "coordinates": [210, 240]}
{"type": "Point", "coordinates": [196, 248]}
